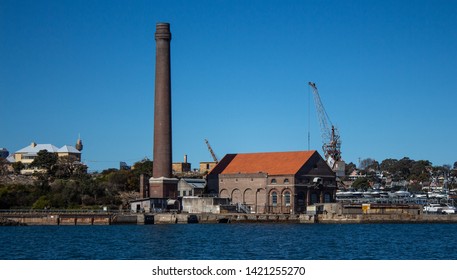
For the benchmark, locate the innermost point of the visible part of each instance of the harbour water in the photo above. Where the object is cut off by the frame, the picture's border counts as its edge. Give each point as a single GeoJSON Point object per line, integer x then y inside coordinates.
{"type": "Point", "coordinates": [232, 241]}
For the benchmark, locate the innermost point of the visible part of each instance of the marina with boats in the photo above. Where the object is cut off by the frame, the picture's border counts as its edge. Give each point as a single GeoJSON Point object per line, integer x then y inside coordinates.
{"type": "Point", "coordinates": [431, 202]}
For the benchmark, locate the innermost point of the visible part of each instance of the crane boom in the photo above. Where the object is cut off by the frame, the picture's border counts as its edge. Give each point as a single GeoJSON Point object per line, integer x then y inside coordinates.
{"type": "Point", "coordinates": [331, 143]}
{"type": "Point", "coordinates": [211, 151]}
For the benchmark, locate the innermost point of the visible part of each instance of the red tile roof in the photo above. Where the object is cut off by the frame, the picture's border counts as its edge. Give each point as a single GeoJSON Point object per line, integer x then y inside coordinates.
{"type": "Point", "coordinates": [275, 163]}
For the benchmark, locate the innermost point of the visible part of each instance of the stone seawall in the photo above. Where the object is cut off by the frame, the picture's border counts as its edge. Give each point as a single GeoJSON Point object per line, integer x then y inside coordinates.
{"type": "Point", "coordinates": [302, 218]}
{"type": "Point", "coordinates": [79, 219]}
{"type": "Point", "coordinates": [205, 218]}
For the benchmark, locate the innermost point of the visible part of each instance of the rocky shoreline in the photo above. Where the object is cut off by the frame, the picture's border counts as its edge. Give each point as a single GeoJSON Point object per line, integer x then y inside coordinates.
{"type": "Point", "coordinates": [8, 222]}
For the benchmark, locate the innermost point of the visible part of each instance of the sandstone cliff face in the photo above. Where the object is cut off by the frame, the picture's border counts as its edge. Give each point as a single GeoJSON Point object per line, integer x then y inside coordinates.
{"type": "Point", "coordinates": [12, 179]}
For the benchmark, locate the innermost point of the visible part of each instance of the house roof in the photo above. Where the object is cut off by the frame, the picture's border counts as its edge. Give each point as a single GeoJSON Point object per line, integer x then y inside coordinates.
{"type": "Point", "coordinates": [11, 159]}
{"type": "Point", "coordinates": [195, 183]}
{"type": "Point", "coordinates": [273, 163]}
{"type": "Point", "coordinates": [34, 149]}
{"type": "Point", "coordinates": [38, 147]}
{"type": "Point", "coordinates": [68, 149]}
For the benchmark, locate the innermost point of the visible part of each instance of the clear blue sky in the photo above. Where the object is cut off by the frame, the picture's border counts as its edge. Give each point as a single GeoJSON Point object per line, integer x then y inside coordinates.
{"type": "Point", "coordinates": [386, 73]}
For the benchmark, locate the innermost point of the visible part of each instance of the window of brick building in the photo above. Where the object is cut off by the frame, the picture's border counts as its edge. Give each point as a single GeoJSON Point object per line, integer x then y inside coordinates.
{"type": "Point", "coordinates": [274, 198]}
{"type": "Point", "coordinates": [287, 198]}
{"type": "Point", "coordinates": [286, 181]}
{"type": "Point", "coordinates": [327, 198]}
{"type": "Point", "coordinates": [273, 181]}
{"type": "Point", "coordinates": [314, 198]}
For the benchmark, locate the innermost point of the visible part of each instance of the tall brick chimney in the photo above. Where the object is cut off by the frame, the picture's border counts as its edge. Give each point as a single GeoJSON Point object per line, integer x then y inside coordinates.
{"type": "Point", "coordinates": [162, 185]}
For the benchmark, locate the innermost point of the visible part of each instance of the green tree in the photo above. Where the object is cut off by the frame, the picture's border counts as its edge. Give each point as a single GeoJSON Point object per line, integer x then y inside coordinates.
{"type": "Point", "coordinates": [18, 166]}
{"type": "Point", "coordinates": [415, 187]}
{"type": "Point", "coordinates": [143, 167]}
{"type": "Point", "coordinates": [41, 203]}
{"type": "Point", "coordinates": [404, 167]}
{"type": "Point", "coordinates": [17, 196]}
{"type": "Point", "coordinates": [399, 169]}
{"type": "Point", "coordinates": [349, 168]}
{"type": "Point", "coordinates": [369, 163]}
{"type": "Point", "coordinates": [389, 165]}
{"type": "Point", "coordinates": [120, 180]}
{"type": "Point", "coordinates": [45, 160]}
{"type": "Point", "coordinates": [69, 167]}
{"type": "Point", "coordinates": [3, 166]}
{"type": "Point", "coordinates": [419, 171]}
{"type": "Point", "coordinates": [71, 193]}
{"type": "Point", "coordinates": [5, 197]}
{"type": "Point", "coordinates": [41, 185]}
{"type": "Point", "coordinates": [361, 183]}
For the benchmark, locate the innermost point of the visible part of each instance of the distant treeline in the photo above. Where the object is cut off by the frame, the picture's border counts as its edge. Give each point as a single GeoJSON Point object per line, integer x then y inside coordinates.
{"type": "Point", "coordinates": [417, 173]}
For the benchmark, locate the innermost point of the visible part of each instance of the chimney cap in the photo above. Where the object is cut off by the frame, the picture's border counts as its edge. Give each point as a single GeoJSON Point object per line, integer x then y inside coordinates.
{"type": "Point", "coordinates": [163, 31]}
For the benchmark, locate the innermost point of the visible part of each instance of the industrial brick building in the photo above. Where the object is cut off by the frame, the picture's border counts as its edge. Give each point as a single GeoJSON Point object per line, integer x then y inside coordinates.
{"type": "Point", "coordinates": [181, 167]}
{"type": "Point", "coordinates": [277, 182]}
{"type": "Point", "coordinates": [206, 166]}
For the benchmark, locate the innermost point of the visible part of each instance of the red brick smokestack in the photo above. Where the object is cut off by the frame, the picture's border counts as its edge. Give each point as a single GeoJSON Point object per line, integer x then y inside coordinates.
{"type": "Point", "coordinates": [161, 185]}
{"type": "Point", "coordinates": [162, 104]}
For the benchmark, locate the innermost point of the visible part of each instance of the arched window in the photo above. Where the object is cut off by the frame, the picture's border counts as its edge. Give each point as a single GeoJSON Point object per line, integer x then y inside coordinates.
{"type": "Point", "coordinates": [274, 198]}
{"type": "Point", "coordinates": [301, 200]}
{"type": "Point", "coordinates": [286, 181]}
{"type": "Point", "coordinates": [314, 198]}
{"type": "Point", "coordinates": [273, 181]}
{"type": "Point", "coordinates": [327, 198]}
{"type": "Point", "coordinates": [287, 198]}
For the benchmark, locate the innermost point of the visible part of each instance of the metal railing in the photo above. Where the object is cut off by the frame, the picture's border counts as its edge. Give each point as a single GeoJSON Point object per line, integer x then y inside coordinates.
{"type": "Point", "coordinates": [243, 208]}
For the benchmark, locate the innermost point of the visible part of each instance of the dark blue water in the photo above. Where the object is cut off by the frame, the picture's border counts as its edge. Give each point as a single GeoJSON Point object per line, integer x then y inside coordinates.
{"type": "Point", "coordinates": [232, 241]}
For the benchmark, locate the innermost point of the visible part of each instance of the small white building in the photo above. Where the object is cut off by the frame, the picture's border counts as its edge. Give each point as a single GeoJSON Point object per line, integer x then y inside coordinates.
{"type": "Point", "coordinates": [151, 205]}
{"type": "Point", "coordinates": [191, 187]}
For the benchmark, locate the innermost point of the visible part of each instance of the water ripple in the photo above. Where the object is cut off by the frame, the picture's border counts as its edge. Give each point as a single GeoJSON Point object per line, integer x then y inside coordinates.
{"type": "Point", "coordinates": [232, 241]}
